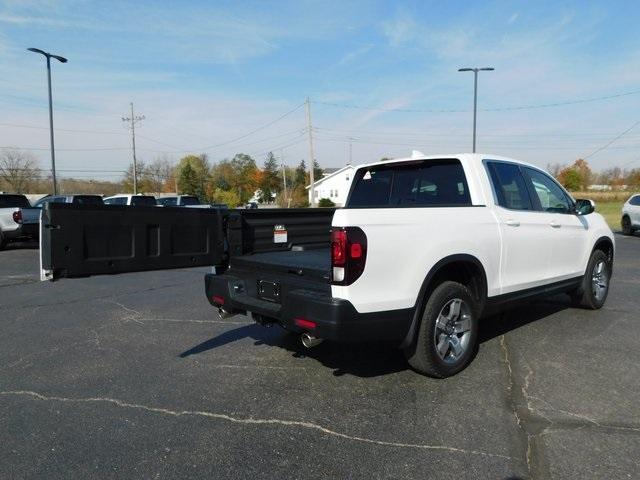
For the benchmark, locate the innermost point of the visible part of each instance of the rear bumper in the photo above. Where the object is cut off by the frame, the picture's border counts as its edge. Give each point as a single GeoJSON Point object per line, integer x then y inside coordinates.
{"type": "Point", "coordinates": [335, 318]}
{"type": "Point", "coordinates": [23, 231]}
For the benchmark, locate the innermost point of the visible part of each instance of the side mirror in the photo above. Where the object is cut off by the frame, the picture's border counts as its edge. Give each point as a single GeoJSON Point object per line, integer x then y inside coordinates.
{"type": "Point", "coordinates": [584, 206]}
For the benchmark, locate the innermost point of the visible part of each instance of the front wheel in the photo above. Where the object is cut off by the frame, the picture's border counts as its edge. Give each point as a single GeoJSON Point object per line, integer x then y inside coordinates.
{"type": "Point", "coordinates": [448, 332]}
{"type": "Point", "coordinates": [595, 284]}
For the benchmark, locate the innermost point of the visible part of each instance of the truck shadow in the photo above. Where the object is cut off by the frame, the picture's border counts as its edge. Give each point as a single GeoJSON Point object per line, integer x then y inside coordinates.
{"type": "Point", "coordinates": [373, 359]}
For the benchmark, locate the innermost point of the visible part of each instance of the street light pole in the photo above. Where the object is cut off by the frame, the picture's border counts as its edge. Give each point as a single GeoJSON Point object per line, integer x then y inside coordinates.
{"type": "Point", "coordinates": [475, 96]}
{"type": "Point", "coordinates": [53, 151]}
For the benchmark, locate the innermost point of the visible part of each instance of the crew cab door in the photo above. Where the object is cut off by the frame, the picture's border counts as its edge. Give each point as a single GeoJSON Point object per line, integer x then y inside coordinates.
{"type": "Point", "coordinates": [84, 240]}
{"type": "Point", "coordinates": [568, 231]}
{"type": "Point", "coordinates": [526, 236]}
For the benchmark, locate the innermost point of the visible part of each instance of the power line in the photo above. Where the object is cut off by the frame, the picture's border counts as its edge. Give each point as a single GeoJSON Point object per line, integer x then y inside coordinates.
{"type": "Point", "coordinates": [608, 144]}
{"type": "Point", "coordinates": [496, 109]}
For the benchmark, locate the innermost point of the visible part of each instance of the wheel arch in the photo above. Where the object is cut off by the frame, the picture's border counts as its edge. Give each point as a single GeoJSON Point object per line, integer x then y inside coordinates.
{"type": "Point", "coordinates": [464, 268]}
{"type": "Point", "coordinates": [605, 244]}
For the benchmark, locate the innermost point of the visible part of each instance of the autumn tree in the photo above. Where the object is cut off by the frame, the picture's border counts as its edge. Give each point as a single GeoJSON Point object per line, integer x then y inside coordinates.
{"type": "Point", "coordinates": [158, 173]}
{"type": "Point", "coordinates": [18, 170]}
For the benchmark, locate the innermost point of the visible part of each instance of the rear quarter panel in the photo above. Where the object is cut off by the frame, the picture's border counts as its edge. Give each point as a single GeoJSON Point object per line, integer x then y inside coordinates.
{"type": "Point", "coordinates": [403, 244]}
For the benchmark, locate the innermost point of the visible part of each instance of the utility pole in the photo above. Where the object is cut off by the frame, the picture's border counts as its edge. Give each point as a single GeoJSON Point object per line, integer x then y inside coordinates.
{"type": "Point", "coordinates": [475, 71]}
{"type": "Point", "coordinates": [311, 157]}
{"type": "Point", "coordinates": [284, 177]}
{"type": "Point", "coordinates": [132, 120]}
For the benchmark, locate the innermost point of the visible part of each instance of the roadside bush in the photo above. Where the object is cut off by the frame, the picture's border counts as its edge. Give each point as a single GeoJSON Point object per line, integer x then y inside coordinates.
{"type": "Point", "coordinates": [326, 202]}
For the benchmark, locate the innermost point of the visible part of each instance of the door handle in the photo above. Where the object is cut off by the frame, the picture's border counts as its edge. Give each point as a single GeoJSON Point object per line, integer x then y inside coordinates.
{"type": "Point", "coordinates": [555, 224]}
{"type": "Point", "coordinates": [512, 223]}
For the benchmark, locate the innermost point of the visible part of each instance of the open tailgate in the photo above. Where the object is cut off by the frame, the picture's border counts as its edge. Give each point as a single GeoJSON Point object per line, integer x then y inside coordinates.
{"type": "Point", "coordinates": [84, 240]}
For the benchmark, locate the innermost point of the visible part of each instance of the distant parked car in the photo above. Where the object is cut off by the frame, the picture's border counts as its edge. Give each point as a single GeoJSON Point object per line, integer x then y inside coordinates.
{"type": "Point", "coordinates": [135, 200]}
{"type": "Point", "coordinates": [75, 199]}
{"type": "Point", "coordinates": [251, 205]}
{"type": "Point", "coordinates": [18, 220]}
{"type": "Point", "coordinates": [631, 215]}
{"type": "Point", "coordinates": [178, 201]}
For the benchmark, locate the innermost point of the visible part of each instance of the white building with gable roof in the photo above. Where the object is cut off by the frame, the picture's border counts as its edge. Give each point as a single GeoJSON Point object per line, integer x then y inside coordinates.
{"type": "Point", "coordinates": [333, 185]}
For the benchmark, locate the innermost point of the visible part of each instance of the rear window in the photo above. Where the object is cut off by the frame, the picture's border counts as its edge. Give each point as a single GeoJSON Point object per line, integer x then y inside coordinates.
{"type": "Point", "coordinates": [87, 200]}
{"type": "Point", "coordinates": [428, 183]}
{"type": "Point", "coordinates": [189, 201]}
{"type": "Point", "coordinates": [143, 200]}
{"type": "Point", "coordinates": [12, 201]}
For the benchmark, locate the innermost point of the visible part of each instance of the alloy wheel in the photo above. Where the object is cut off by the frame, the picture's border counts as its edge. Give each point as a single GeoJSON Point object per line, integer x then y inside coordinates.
{"type": "Point", "coordinates": [453, 330]}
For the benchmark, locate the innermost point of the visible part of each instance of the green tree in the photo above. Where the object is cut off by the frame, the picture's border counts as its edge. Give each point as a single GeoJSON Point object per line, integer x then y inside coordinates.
{"type": "Point", "coordinates": [570, 178]}
{"type": "Point", "coordinates": [300, 177]}
{"type": "Point", "coordinates": [317, 171]}
{"type": "Point", "coordinates": [188, 182]}
{"type": "Point", "coordinates": [193, 174]}
{"type": "Point", "coordinates": [326, 202]}
{"type": "Point", "coordinates": [270, 180]}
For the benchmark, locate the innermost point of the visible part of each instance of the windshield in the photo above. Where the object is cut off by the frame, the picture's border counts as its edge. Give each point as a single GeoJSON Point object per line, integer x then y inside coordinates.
{"type": "Point", "coordinates": [88, 200]}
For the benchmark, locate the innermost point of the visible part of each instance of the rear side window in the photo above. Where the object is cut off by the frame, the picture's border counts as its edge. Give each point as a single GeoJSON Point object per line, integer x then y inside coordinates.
{"type": "Point", "coordinates": [430, 183]}
{"type": "Point", "coordinates": [509, 185]}
{"type": "Point", "coordinates": [168, 201]}
{"type": "Point", "coordinates": [87, 200]}
{"type": "Point", "coordinates": [189, 201]}
{"type": "Point", "coordinates": [13, 201]}
{"type": "Point", "coordinates": [144, 201]}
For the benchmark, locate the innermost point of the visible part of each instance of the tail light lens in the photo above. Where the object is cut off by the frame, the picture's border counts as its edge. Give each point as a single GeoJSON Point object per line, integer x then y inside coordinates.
{"type": "Point", "coordinates": [17, 216]}
{"type": "Point", "coordinates": [348, 254]}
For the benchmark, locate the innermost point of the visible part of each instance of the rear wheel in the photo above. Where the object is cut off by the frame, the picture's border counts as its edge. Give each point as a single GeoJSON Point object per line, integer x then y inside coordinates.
{"type": "Point", "coordinates": [448, 332]}
{"type": "Point", "coordinates": [627, 229]}
{"type": "Point", "coordinates": [595, 284]}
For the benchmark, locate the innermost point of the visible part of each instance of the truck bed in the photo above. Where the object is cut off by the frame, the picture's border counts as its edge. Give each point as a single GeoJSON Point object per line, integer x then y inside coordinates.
{"type": "Point", "coordinates": [313, 262]}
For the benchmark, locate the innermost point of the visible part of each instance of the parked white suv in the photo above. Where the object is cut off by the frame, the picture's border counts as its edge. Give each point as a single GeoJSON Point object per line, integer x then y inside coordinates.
{"type": "Point", "coordinates": [631, 215]}
{"type": "Point", "coordinates": [423, 249]}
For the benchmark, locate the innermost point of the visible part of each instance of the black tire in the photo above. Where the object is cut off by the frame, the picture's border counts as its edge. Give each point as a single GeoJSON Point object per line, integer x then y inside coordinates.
{"type": "Point", "coordinates": [423, 355]}
{"type": "Point", "coordinates": [588, 295]}
{"type": "Point", "coordinates": [627, 229]}
{"type": "Point", "coordinates": [3, 243]}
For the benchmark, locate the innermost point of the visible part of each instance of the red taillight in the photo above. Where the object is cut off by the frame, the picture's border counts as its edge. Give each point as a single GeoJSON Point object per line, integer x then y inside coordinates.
{"type": "Point", "coordinates": [218, 299]}
{"type": "Point", "coordinates": [338, 247]}
{"type": "Point", "coordinates": [17, 216]}
{"type": "Point", "coordinates": [302, 323]}
{"type": "Point", "coordinates": [348, 254]}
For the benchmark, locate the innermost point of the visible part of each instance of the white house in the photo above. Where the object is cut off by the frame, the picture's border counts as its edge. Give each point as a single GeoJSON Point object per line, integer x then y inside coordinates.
{"type": "Point", "coordinates": [333, 185]}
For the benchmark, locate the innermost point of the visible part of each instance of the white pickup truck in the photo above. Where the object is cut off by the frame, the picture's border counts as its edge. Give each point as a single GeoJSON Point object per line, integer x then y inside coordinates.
{"type": "Point", "coordinates": [18, 220]}
{"type": "Point", "coordinates": [423, 249]}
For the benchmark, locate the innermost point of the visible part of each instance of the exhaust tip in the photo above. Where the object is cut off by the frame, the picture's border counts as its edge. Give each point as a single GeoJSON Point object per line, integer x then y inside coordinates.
{"type": "Point", "coordinates": [222, 313]}
{"type": "Point", "coordinates": [309, 341]}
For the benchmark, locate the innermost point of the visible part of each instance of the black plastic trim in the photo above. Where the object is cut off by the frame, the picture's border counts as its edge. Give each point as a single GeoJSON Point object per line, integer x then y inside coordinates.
{"type": "Point", "coordinates": [336, 319]}
{"type": "Point", "coordinates": [426, 284]}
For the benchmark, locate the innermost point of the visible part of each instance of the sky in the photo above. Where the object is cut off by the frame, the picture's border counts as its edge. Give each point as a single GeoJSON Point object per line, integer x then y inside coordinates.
{"type": "Point", "coordinates": [227, 77]}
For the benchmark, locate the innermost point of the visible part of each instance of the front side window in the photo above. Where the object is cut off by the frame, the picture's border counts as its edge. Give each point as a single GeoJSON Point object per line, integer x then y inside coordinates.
{"type": "Point", "coordinates": [549, 194]}
{"type": "Point", "coordinates": [635, 200]}
{"type": "Point", "coordinates": [509, 186]}
{"type": "Point", "coordinates": [427, 183]}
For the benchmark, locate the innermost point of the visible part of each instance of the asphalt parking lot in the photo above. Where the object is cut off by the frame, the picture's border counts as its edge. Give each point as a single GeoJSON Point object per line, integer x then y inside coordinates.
{"type": "Point", "coordinates": [135, 376]}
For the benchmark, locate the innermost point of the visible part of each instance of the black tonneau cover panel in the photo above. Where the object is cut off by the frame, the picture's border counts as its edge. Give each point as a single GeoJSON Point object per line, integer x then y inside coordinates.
{"type": "Point", "coordinates": [83, 240]}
